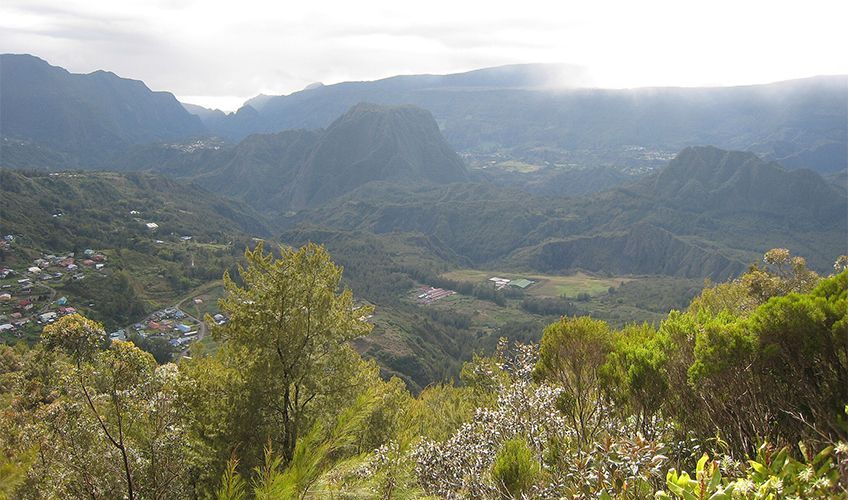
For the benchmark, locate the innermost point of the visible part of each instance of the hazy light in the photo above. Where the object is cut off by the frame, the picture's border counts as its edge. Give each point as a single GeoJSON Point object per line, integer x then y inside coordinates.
{"type": "Point", "coordinates": [222, 102]}
{"type": "Point", "coordinates": [210, 51]}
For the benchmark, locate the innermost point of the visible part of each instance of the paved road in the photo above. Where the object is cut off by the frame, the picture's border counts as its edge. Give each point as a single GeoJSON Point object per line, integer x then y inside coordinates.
{"type": "Point", "coordinates": [201, 329]}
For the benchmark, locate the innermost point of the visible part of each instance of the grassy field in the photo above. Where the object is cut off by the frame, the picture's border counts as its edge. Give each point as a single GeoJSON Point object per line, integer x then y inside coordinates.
{"type": "Point", "coordinates": [485, 316]}
{"type": "Point", "coordinates": [209, 293]}
{"type": "Point", "coordinates": [546, 285]}
{"type": "Point", "coordinates": [518, 166]}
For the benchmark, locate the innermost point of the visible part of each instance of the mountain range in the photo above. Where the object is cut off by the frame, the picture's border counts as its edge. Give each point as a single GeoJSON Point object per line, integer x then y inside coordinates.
{"type": "Point", "coordinates": [516, 108]}
{"type": "Point", "coordinates": [52, 118]}
{"type": "Point", "coordinates": [408, 178]}
{"type": "Point", "coordinates": [386, 168]}
{"type": "Point", "coordinates": [83, 118]}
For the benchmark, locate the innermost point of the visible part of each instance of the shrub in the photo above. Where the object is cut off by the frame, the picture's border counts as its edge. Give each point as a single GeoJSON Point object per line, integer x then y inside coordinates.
{"type": "Point", "coordinates": [515, 469]}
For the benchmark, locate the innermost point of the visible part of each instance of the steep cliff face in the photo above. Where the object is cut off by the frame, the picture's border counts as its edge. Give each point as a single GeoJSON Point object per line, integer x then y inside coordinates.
{"type": "Point", "coordinates": [89, 115]}
{"type": "Point", "coordinates": [376, 143]}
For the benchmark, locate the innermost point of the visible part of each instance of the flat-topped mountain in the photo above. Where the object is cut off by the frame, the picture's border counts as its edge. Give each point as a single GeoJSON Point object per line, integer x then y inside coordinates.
{"type": "Point", "coordinates": [86, 115]}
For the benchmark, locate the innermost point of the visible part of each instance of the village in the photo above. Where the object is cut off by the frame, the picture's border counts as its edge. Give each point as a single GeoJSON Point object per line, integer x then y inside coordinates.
{"type": "Point", "coordinates": [30, 300]}
{"type": "Point", "coordinates": [172, 324]}
{"type": "Point", "coordinates": [28, 296]}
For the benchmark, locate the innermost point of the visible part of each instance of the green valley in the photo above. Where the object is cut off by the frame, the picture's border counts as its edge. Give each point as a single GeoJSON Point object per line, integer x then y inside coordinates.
{"type": "Point", "coordinates": [588, 280]}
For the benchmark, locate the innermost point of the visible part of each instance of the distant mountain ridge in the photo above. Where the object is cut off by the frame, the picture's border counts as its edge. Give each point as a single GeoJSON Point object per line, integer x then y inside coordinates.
{"type": "Point", "coordinates": [803, 121]}
{"type": "Point", "coordinates": [87, 116]}
{"type": "Point", "coordinates": [54, 119]}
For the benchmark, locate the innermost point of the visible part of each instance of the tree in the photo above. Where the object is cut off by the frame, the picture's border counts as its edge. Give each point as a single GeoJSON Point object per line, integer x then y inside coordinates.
{"type": "Point", "coordinates": [80, 338]}
{"type": "Point", "coordinates": [76, 335]}
{"type": "Point", "coordinates": [635, 375]}
{"type": "Point", "coordinates": [313, 458]}
{"type": "Point", "coordinates": [803, 349]}
{"type": "Point", "coordinates": [295, 323]}
{"type": "Point", "coordinates": [571, 354]}
{"type": "Point", "coordinates": [118, 399]}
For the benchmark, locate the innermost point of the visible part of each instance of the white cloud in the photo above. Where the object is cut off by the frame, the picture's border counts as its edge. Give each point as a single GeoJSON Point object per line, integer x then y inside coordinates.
{"type": "Point", "coordinates": [215, 50]}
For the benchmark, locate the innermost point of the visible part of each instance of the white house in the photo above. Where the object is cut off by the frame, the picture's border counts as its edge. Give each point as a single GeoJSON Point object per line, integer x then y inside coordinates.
{"type": "Point", "coordinates": [48, 316]}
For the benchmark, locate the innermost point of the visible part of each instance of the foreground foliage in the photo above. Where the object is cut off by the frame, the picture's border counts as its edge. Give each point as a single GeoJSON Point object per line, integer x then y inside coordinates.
{"type": "Point", "coordinates": [743, 395]}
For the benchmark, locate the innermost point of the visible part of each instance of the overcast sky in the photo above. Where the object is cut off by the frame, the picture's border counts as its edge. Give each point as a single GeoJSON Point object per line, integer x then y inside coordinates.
{"type": "Point", "coordinates": [218, 53]}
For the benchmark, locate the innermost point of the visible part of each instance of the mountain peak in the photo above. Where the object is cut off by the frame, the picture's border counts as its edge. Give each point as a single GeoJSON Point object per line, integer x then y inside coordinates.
{"type": "Point", "coordinates": [373, 142]}
{"type": "Point", "coordinates": [296, 169]}
{"type": "Point", "coordinates": [709, 178]}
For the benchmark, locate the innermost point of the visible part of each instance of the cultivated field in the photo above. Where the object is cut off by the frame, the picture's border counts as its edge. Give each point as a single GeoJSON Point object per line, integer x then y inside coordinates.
{"type": "Point", "coordinates": [546, 285]}
{"type": "Point", "coordinates": [209, 294]}
{"type": "Point", "coordinates": [518, 166]}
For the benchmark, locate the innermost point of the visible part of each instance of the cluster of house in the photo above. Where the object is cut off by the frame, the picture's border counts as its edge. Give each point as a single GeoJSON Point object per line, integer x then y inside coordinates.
{"type": "Point", "coordinates": [92, 259]}
{"type": "Point", "coordinates": [501, 283]}
{"type": "Point", "coordinates": [171, 323]}
{"type": "Point", "coordinates": [19, 304]}
{"type": "Point", "coordinates": [68, 262]}
{"type": "Point", "coordinates": [430, 294]}
{"type": "Point", "coordinates": [23, 312]}
{"type": "Point", "coordinates": [6, 242]}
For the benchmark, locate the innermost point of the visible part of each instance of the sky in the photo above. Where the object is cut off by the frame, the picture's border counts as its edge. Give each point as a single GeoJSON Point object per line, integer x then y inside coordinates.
{"type": "Point", "coordinates": [220, 53]}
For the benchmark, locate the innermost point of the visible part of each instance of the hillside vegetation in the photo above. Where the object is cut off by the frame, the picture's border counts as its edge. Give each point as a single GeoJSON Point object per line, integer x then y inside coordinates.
{"type": "Point", "coordinates": [654, 226]}
{"type": "Point", "coordinates": [196, 236]}
{"type": "Point", "coordinates": [746, 389]}
{"type": "Point", "coordinates": [94, 209]}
